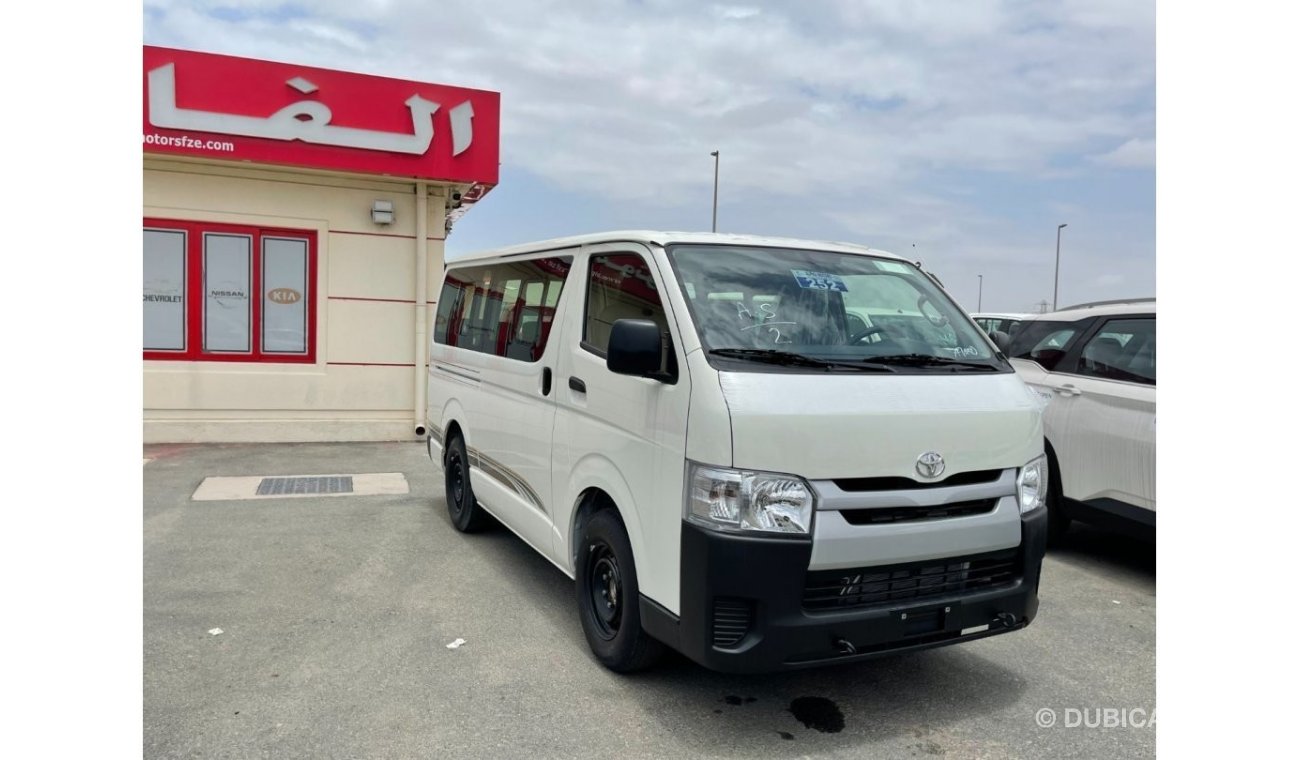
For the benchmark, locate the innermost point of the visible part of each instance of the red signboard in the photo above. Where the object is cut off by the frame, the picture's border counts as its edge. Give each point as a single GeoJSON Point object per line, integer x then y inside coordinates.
{"type": "Point", "coordinates": [242, 109]}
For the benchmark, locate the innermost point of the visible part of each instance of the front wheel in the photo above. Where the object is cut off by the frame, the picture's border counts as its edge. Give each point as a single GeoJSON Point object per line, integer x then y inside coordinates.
{"type": "Point", "coordinates": [609, 597]}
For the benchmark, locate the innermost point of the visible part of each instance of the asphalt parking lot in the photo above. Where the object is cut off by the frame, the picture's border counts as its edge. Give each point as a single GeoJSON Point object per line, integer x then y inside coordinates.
{"type": "Point", "coordinates": [335, 613]}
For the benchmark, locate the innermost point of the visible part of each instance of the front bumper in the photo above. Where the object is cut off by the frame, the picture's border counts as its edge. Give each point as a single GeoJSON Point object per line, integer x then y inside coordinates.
{"type": "Point", "coordinates": [723, 574]}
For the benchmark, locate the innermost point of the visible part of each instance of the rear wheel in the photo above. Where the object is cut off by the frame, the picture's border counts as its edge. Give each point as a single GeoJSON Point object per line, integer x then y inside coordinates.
{"type": "Point", "coordinates": [466, 514]}
{"type": "Point", "coordinates": [609, 597]}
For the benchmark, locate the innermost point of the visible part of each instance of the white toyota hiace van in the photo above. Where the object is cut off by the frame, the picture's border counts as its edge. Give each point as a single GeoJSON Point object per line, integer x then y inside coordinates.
{"type": "Point", "coordinates": [764, 453]}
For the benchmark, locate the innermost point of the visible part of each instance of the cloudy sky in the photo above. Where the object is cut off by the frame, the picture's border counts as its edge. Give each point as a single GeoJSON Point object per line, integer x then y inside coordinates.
{"type": "Point", "coordinates": [959, 133]}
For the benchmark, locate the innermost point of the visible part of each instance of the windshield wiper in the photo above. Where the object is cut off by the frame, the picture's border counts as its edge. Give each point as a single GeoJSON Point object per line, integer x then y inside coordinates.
{"type": "Point", "coordinates": [929, 360]}
{"type": "Point", "coordinates": [789, 359]}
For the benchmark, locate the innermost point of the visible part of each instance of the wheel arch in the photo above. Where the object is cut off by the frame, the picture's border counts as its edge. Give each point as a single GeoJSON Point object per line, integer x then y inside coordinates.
{"type": "Point", "coordinates": [1054, 483]}
{"type": "Point", "coordinates": [453, 423]}
{"type": "Point", "coordinates": [599, 486]}
{"type": "Point", "coordinates": [590, 501]}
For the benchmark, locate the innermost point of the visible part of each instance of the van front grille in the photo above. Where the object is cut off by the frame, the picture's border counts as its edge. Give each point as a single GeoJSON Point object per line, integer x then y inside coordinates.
{"type": "Point", "coordinates": [857, 485]}
{"type": "Point", "coordinates": [826, 590]}
{"type": "Point", "coordinates": [877, 516]}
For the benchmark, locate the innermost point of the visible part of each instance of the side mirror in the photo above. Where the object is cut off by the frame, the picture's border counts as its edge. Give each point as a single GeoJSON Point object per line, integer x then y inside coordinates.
{"type": "Point", "coordinates": [635, 348]}
{"type": "Point", "coordinates": [1001, 340]}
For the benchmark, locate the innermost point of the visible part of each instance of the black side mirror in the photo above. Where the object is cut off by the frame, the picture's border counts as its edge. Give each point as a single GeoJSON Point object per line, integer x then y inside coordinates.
{"type": "Point", "coordinates": [1001, 340]}
{"type": "Point", "coordinates": [635, 348]}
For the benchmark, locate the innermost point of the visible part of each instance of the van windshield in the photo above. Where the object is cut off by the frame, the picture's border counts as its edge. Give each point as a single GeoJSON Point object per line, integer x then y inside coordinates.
{"type": "Point", "coordinates": [840, 307]}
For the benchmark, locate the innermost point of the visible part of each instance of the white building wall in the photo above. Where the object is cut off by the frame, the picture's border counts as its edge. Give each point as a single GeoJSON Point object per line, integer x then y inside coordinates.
{"type": "Point", "coordinates": [361, 386]}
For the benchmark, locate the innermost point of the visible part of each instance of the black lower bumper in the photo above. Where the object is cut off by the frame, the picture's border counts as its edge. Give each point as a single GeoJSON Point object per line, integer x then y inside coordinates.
{"type": "Point", "coordinates": [742, 607]}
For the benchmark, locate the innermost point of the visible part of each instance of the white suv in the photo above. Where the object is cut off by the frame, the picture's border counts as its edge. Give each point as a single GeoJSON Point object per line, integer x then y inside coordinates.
{"type": "Point", "coordinates": [1008, 323]}
{"type": "Point", "coordinates": [1095, 367]}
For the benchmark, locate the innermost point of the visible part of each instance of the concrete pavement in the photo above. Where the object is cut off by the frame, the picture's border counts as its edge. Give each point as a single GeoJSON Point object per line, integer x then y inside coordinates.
{"type": "Point", "coordinates": [335, 614]}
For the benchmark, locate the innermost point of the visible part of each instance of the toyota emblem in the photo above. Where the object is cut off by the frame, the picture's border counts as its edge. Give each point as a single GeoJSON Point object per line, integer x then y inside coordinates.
{"type": "Point", "coordinates": [929, 465]}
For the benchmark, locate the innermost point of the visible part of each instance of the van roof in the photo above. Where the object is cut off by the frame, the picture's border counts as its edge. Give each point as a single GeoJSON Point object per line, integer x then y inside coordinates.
{"type": "Point", "coordinates": [667, 238]}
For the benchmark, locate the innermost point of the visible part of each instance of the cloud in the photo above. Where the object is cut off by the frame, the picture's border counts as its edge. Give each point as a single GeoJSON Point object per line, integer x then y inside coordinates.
{"type": "Point", "coordinates": [978, 85]}
{"type": "Point", "coordinates": [735, 12]}
{"type": "Point", "coordinates": [1133, 153]}
{"type": "Point", "coordinates": [851, 114]}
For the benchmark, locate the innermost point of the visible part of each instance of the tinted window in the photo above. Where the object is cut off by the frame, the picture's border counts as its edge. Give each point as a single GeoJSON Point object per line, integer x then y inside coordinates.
{"type": "Point", "coordinates": [502, 309]}
{"type": "Point", "coordinates": [619, 286]}
{"type": "Point", "coordinates": [1045, 342]}
{"type": "Point", "coordinates": [1124, 349]}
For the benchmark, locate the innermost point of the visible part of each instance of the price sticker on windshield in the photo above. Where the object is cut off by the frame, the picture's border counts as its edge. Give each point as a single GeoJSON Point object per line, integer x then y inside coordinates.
{"type": "Point", "coordinates": [819, 280]}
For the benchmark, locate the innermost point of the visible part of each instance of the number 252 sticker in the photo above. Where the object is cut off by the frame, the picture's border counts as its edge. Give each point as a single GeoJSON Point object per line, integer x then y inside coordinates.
{"type": "Point", "coordinates": [819, 280]}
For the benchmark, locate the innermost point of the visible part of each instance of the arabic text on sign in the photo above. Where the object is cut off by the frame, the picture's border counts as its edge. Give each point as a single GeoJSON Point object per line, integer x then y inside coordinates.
{"type": "Point", "coordinates": [307, 120]}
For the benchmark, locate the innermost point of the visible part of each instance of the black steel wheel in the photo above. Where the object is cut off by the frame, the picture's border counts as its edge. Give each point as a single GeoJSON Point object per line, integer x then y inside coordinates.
{"type": "Point", "coordinates": [609, 598]}
{"type": "Point", "coordinates": [466, 514]}
{"type": "Point", "coordinates": [605, 589]}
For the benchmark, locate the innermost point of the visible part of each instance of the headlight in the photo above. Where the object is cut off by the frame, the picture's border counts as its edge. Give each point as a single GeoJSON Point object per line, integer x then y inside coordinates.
{"type": "Point", "coordinates": [1031, 485]}
{"type": "Point", "coordinates": [740, 500]}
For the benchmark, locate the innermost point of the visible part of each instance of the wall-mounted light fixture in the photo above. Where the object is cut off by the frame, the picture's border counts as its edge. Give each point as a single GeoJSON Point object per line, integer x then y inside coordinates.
{"type": "Point", "coordinates": [381, 212]}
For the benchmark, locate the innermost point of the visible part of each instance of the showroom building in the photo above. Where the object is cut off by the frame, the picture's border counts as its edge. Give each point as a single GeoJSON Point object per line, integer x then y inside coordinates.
{"type": "Point", "coordinates": [293, 231]}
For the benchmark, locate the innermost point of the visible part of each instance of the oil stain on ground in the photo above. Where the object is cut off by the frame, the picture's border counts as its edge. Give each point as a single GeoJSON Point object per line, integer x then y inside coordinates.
{"type": "Point", "coordinates": [818, 713]}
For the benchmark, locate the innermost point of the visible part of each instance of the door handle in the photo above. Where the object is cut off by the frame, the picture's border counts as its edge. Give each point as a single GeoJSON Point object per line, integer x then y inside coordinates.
{"type": "Point", "coordinates": [577, 385]}
{"type": "Point", "coordinates": [1068, 390]}
{"type": "Point", "coordinates": [546, 381]}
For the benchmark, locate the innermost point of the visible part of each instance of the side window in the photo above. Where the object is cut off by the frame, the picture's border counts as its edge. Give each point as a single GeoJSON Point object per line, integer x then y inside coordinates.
{"type": "Point", "coordinates": [1045, 342]}
{"type": "Point", "coordinates": [453, 303]}
{"type": "Point", "coordinates": [619, 286]}
{"type": "Point", "coordinates": [502, 309]}
{"type": "Point", "coordinates": [1124, 349]}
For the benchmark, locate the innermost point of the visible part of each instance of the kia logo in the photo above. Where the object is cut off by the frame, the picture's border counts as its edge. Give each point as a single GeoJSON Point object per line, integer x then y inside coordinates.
{"type": "Point", "coordinates": [284, 295]}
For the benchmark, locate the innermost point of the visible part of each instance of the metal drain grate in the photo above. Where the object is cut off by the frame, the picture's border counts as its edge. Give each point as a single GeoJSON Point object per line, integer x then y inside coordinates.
{"type": "Point", "coordinates": [321, 485]}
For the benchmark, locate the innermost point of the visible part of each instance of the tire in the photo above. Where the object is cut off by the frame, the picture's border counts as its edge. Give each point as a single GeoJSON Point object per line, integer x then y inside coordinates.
{"type": "Point", "coordinates": [609, 597]}
{"type": "Point", "coordinates": [1058, 522]}
{"type": "Point", "coordinates": [463, 509]}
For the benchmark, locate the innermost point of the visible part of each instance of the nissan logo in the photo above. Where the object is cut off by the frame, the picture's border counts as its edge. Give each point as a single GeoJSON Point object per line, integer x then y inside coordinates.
{"type": "Point", "coordinates": [929, 465]}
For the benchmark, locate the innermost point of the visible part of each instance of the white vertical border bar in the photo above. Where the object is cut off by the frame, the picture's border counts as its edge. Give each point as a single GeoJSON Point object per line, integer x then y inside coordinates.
{"type": "Point", "coordinates": [421, 302]}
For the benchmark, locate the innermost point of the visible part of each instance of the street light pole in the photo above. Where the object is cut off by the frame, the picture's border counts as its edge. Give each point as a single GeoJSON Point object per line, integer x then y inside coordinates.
{"type": "Point", "coordinates": [979, 306]}
{"type": "Point", "coordinates": [715, 189]}
{"type": "Point", "coordinates": [1057, 283]}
